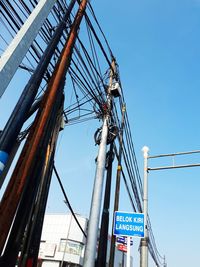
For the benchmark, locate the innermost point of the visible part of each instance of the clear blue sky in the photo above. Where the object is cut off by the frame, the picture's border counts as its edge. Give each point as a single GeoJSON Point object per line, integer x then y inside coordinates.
{"type": "Point", "coordinates": [157, 46]}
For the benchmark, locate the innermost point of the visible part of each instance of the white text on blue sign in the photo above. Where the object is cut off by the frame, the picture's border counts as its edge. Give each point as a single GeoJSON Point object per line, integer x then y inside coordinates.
{"type": "Point", "coordinates": [129, 224]}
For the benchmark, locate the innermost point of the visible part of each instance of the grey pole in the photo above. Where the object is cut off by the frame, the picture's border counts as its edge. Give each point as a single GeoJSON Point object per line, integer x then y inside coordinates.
{"type": "Point", "coordinates": [93, 226]}
{"type": "Point", "coordinates": [90, 251]}
{"type": "Point", "coordinates": [144, 241]}
{"type": "Point", "coordinates": [164, 264]}
{"type": "Point", "coordinates": [19, 46]}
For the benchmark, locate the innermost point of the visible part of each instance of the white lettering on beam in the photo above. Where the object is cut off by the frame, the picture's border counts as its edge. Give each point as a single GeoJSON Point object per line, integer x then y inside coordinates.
{"type": "Point", "coordinates": [138, 220]}
{"type": "Point", "coordinates": [124, 219]}
{"type": "Point", "coordinates": [129, 227]}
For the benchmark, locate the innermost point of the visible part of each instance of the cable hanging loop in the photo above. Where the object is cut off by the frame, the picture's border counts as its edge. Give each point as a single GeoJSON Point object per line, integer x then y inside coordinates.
{"type": "Point", "coordinates": [113, 132]}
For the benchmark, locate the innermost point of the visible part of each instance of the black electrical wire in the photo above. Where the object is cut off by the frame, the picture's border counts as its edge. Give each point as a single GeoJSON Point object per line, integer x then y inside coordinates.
{"type": "Point", "coordinates": [132, 179]}
{"type": "Point", "coordinates": [82, 68]}
{"type": "Point", "coordinates": [129, 154]}
{"type": "Point", "coordinates": [21, 9]}
{"type": "Point", "coordinates": [90, 73]}
{"type": "Point", "coordinates": [18, 22]}
{"type": "Point", "coordinates": [37, 53]}
{"type": "Point", "coordinates": [132, 158]}
{"type": "Point", "coordinates": [126, 183]}
{"type": "Point", "coordinates": [81, 120]}
{"type": "Point", "coordinates": [83, 82]}
{"type": "Point", "coordinates": [81, 116]}
{"type": "Point", "coordinates": [8, 21]}
{"type": "Point", "coordinates": [91, 88]}
{"type": "Point", "coordinates": [77, 108]}
{"type": "Point", "coordinates": [78, 104]}
{"type": "Point", "coordinates": [13, 16]}
{"type": "Point", "coordinates": [92, 65]}
{"type": "Point", "coordinates": [67, 200]}
{"type": "Point", "coordinates": [86, 70]}
{"type": "Point", "coordinates": [76, 95]}
{"type": "Point", "coordinates": [153, 239]}
{"type": "Point", "coordinates": [97, 39]}
{"type": "Point", "coordinates": [133, 153]}
{"type": "Point", "coordinates": [81, 86]}
{"type": "Point", "coordinates": [44, 30]}
{"type": "Point", "coordinates": [105, 39]}
{"type": "Point", "coordinates": [94, 53]}
{"type": "Point", "coordinates": [12, 37]}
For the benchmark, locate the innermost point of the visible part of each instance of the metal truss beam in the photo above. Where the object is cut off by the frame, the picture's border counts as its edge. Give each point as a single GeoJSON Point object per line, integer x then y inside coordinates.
{"type": "Point", "coordinates": [14, 54]}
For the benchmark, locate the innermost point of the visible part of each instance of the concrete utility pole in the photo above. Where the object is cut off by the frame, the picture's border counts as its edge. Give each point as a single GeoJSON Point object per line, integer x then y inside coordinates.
{"type": "Point", "coordinates": [90, 250]}
{"type": "Point", "coordinates": [103, 236]}
{"type": "Point", "coordinates": [144, 241]}
{"type": "Point", "coordinates": [117, 187]}
{"type": "Point", "coordinates": [14, 54]}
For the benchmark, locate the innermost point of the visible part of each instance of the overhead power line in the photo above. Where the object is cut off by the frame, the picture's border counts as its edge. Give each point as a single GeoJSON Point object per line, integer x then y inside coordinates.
{"type": "Point", "coordinates": [89, 83]}
{"type": "Point", "coordinates": [67, 200]}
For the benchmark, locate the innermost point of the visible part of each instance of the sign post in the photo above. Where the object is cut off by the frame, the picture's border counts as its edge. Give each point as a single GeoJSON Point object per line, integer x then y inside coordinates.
{"type": "Point", "coordinates": [127, 225]}
{"type": "Point", "coordinates": [128, 260]}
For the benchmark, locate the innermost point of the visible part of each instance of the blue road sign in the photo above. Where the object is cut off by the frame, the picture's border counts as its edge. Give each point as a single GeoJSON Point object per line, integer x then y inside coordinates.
{"type": "Point", "coordinates": [129, 224]}
{"type": "Point", "coordinates": [123, 240]}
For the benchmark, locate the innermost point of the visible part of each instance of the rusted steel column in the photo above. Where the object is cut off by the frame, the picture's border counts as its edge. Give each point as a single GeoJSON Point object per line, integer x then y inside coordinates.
{"type": "Point", "coordinates": [31, 240]}
{"type": "Point", "coordinates": [30, 192]}
{"type": "Point", "coordinates": [23, 168]}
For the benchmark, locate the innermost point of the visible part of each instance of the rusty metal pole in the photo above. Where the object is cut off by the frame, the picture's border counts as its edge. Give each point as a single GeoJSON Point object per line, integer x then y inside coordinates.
{"type": "Point", "coordinates": [30, 248]}
{"type": "Point", "coordinates": [15, 187]}
{"type": "Point", "coordinates": [30, 189]}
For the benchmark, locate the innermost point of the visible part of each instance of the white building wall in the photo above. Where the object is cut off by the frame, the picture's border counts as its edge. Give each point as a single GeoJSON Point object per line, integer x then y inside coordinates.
{"type": "Point", "coordinates": [57, 230]}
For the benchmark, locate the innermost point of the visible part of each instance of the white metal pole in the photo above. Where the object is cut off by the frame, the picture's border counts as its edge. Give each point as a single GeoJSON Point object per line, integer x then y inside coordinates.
{"type": "Point", "coordinates": [144, 241]}
{"type": "Point", "coordinates": [128, 260]}
{"type": "Point", "coordinates": [91, 244]}
{"type": "Point", "coordinates": [14, 54]}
